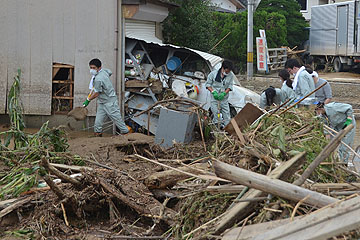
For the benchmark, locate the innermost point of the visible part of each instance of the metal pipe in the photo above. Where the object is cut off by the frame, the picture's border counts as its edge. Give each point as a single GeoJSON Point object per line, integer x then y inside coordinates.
{"type": "Point", "coordinates": [120, 57]}
{"type": "Point", "coordinates": [250, 44]}
{"type": "Point", "coordinates": [117, 70]}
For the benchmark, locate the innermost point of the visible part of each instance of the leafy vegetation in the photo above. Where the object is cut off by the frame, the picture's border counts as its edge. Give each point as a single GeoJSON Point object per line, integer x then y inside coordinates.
{"type": "Point", "coordinates": [22, 151]}
{"type": "Point", "coordinates": [195, 24]}
{"type": "Point", "coordinates": [190, 25]}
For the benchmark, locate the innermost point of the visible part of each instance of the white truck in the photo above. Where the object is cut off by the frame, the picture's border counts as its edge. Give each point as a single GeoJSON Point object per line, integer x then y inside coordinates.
{"type": "Point", "coordinates": [334, 35]}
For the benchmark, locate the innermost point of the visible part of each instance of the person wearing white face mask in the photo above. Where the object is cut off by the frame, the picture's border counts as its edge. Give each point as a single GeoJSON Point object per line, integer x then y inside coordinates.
{"type": "Point", "coordinates": [104, 91]}
{"type": "Point", "coordinates": [303, 83]}
{"type": "Point", "coordinates": [220, 83]}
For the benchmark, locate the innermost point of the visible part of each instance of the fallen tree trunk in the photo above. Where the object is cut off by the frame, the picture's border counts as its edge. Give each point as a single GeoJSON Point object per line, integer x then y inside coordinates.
{"type": "Point", "coordinates": [334, 143]}
{"type": "Point", "coordinates": [269, 185]}
{"type": "Point", "coordinates": [242, 209]}
{"type": "Point", "coordinates": [328, 222]}
{"type": "Point", "coordinates": [169, 178]}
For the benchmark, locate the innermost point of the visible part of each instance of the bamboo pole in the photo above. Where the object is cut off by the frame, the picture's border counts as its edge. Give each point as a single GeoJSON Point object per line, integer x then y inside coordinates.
{"type": "Point", "coordinates": [284, 111]}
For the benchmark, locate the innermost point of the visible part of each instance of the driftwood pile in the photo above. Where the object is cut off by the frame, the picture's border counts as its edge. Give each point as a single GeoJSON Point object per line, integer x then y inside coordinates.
{"type": "Point", "coordinates": [278, 178]}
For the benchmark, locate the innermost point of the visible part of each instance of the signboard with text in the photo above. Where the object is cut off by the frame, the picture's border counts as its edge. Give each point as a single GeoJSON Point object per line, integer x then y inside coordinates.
{"type": "Point", "coordinates": [261, 54]}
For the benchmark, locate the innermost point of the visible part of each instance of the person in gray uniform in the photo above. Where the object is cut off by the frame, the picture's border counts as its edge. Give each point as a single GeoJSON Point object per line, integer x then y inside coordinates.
{"type": "Point", "coordinates": [220, 83]}
{"type": "Point", "coordinates": [270, 96]}
{"type": "Point", "coordinates": [303, 83]}
{"type": "Point", "coordinates": [287, 91]}
{"type": "Point", "coordinates": [107, 100]}
{"type": "Point", "coordinates": [324, 94]}
{"type": "Point", "coordinates": [339, 116]}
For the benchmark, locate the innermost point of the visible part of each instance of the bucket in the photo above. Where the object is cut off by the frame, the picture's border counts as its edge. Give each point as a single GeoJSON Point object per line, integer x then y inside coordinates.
{"type": "Point", "coordinates": [173, 64]}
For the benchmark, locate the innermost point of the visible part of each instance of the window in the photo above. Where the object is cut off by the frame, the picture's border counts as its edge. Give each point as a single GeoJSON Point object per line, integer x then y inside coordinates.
{"type": "Point", "coordinates": [62, 88]}
{"type": "Point", "coordinates": [303, 4]}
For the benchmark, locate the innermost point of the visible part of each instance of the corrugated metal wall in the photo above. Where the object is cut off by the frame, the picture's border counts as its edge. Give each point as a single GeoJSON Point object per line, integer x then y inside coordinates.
{"type": "Point", "coordinates": [36, 33]}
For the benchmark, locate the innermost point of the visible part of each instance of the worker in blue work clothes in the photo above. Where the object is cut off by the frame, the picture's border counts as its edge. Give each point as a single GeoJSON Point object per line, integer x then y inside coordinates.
{"type": "Point", "coordinates": [303, 83]}
{"type": "Point", "coordinates": [270, 96]}
{"type": "Point", "coordinates": [104, 91]}
{"type": "Point", "coordinates": [220, 83]}
{"type": "Point", "coordinates": [339, 116]}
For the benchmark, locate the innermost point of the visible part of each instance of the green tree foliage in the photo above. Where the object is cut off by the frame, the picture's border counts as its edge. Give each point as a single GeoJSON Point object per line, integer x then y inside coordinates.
{"type": "Point", "coordinates": [190, 25]}
{"type": "Point", "coordinates": [196, 25]}
{"type": "Point", "coordinates": [235, 45]}
{"type": "Point", "coordinates": [295, 22]}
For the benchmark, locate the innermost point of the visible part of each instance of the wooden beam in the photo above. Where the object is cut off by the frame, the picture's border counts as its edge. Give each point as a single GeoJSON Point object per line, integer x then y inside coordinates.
{"type": "Point", "coordinates": [328, 222]}
{"type": "Point", "coordinates": [242, 209]}
{"type": "Point", "coordinates": [270, 185]}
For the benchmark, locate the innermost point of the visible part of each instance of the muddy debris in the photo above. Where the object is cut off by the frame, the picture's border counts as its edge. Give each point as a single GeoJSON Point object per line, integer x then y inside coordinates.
{"type": "Point", "coordinates": [127, 187]}
{"type": "Point", "coordinates": [78, 113]}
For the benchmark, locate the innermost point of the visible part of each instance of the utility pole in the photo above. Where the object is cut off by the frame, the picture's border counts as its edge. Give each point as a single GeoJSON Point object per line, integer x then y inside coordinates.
{"type": "Point", "coordinates": [250, 39]}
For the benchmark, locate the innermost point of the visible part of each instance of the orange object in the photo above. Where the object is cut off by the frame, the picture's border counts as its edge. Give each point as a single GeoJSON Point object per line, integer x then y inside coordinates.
{"type": "Point", "coordinates": [130, 129]}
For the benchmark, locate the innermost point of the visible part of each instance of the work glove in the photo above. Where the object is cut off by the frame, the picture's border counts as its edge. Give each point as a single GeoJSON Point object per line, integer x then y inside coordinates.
{"type": "Point", "coordinates": [222, 96]}
{"type": "Point", "coordinates": [86, 103]}
{"type": "Point", "coordinates": [347, 122]}
{"type": "Point", "coordinates": [215, 94]}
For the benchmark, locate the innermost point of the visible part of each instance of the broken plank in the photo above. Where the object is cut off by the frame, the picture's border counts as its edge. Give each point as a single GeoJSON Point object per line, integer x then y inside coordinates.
{"type": "Point", "coordinates": [325, 187]}
{"type": "Point", "coordinates": [238, 131]}
{"type": "Point", "coordinates": [14, 206]}
{"type": "Point", "coordinates": [72, 168]}
{"type": "Point", "coordinates": [136, 84]}
{"type": "Point", "coordinates": [270, 185]}
{"type": "Point", "coordinates": [225, 189]}
{"type": "Point", "coordinates": [328, 222]}
{"type": "Point", "coordinates": [242, 209]}
{"type": "Point", "coordinates": [245, 117]}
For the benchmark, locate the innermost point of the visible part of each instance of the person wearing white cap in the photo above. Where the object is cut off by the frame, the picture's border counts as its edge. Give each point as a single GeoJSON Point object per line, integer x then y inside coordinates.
{"type": "Point", "coordinates": [324, 94]}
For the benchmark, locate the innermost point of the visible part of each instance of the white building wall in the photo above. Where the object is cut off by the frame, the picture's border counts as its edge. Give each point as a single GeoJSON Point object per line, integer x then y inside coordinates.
{"type": "Point", "coordinates": [39, 32]}
{"type": "Point", "coordinates": [224, 4]}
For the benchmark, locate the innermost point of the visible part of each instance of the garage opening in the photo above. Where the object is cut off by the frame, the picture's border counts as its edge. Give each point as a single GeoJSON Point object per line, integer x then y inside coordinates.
{"type": "Point", "coordinates": [62, 88]}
